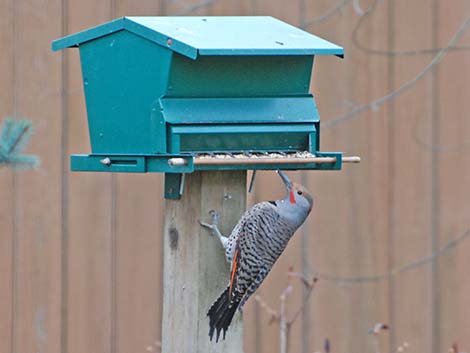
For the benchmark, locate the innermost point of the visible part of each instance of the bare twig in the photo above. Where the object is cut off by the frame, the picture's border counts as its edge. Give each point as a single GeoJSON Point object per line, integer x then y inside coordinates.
{"type": "Point", "coordinates": [375, 333]}
{"type": "Point", "coordinates": [331, 12]}
{"type": "Point", "coordinates": [281, 316]}
{"type": "Point", "coordinates": [377, 103]}
{"type": "Point", "coordinates": [310, 286]}
{"type": "Point", "coordinates": [369, 11]}
{"type": "Point", "coordinates": [455, 348]}
{"type": "Point", "coordinates": [273, 314]}
{"type": "Point", "coordinates": [156, 346]}
{"type": "Point", "coordinates": [283, 323]}
{"type": "Point", "coordinates": [357, 8]}
{"type": "Point", "coordinates": [403, 347]}
{"type": "Point", "coordinates": [327, 346]}
{"type": "Point", "coordinates": [397, 270]}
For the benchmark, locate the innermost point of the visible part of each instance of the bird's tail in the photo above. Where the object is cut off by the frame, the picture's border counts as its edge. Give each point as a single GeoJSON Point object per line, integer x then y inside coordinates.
{"type": "Point", "coordinates": [221, 313]}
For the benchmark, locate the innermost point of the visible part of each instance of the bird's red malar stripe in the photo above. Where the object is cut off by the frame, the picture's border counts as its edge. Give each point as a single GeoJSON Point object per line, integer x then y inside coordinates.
{"type": "Point", "coordinates": [291, 197]}
{"type": "Point", "coordinates": [234, 268]}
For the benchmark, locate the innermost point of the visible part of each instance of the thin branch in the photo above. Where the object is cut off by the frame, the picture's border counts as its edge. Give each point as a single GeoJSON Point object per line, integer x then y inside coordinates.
{"type": "Point", "coordinates": [277, 315]}
{"type": "Point", "coordinates": [375, 333]}
{"type": "Point", "coordinates": [304, 301]}
{"type": "Point", "coordinates": [357, 8]}
{"type": "Point", "coordinates": [308, 283]}
{"type": "Point", "coordinates": [398, 270]}
{"type": "Point", "coordinates": [403, 347]}
{"type": "Point", "coordinates": [377, 103]}
{"type": "Point", "coordinates": [331, 12]}
{"type": "Point", "coordinates": [390, 53]}
{"type": "Point", "coordinates": [283, 323]}
{"type": "Point", "coordinates": [273, 314]}
{"type": "Point", "coordinates": [437, 147]}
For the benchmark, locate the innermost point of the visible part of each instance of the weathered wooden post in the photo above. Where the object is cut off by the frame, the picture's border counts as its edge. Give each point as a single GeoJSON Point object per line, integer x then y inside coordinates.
{"type": "Point", "coordinates": [201, 99]}
{"type": "Point", "coordinates": [195, 268]}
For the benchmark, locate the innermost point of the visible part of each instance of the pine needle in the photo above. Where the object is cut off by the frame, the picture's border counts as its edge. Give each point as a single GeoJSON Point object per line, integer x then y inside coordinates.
{"type": "Point", "coordinates": [14, 137]}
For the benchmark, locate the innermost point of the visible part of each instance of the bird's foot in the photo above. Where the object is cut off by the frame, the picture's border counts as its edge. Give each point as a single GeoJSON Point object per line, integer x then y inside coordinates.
{"type": "Point", "coordinates": [214, 227]}
{"type": "Point", "coordinates": [215, 222]}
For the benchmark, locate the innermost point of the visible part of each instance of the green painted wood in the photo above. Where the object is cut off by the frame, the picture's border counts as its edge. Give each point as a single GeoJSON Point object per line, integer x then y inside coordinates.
{"type": "Point", "coordinates": [173, 186]}
{"type": "Point", "coordinates": [227, 36]}
{"type": "Point", "coordinates": [239, 137]}
{"type": "Point", "coordinates": [159, 164]}
{"type": "Point", "coordinates": [162, 86]}
{"type": "Point", "coordinates": [122, 84]}
{"type": "Point", "coordinates": [239, 110]}
{"type": "Point", "coordinates": [74, 40]}
{"type": "Point", "coordinates": [128, 164]}
{"type": "Point", "coordinates": [240, 76]}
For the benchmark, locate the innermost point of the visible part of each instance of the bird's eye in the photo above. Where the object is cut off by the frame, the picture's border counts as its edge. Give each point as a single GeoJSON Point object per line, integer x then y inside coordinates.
{"type": "Point", "coordinates": [299, 192]}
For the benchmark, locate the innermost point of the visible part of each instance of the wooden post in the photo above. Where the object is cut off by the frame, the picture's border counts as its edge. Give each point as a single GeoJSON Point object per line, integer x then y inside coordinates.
{"type": "Point", "coordinates": [194, 264]}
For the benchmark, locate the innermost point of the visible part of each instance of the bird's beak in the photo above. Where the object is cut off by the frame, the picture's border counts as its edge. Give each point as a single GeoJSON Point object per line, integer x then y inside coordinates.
{"type": "Point", "coordinates": [285, 179]}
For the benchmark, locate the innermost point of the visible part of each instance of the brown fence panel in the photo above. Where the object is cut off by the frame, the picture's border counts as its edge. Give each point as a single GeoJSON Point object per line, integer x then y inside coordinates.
{"type": "Point", "coordinates": [88, 272]}
{"type": "Point", "coordinates": [450, 150]}
{"type": "Point", "coordinates": [351, 224]}
{"type": "Point", "coordinates": [411, 180]}
{"type": "Point", "coordinates": [38, 209]}
{"type": "Point", "coordinates": [7, 195]}
{"type": "Point", "coordinates": [81, 253]}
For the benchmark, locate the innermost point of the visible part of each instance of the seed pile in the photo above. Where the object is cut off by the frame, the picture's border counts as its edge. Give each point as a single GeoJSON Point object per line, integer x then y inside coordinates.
{"type": "Point", "coordinates": [255, 155]}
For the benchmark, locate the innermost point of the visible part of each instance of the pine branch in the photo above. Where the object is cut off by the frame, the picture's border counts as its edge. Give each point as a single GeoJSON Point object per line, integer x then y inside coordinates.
{"type": "Point", "coordinates": [14, 136]}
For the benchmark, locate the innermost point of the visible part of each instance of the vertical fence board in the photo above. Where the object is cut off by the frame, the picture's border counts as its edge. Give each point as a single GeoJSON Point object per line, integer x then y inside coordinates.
{"type": "Point", "coordinates": [350, 228]}
{"type": "Point", "coordinates": [138, 8]}
{"type": "Point", "coordinates": [37, 317]}
{"type": "Point", "coordinates": [7, 210]}
{"type": "Point", "coordinates": [6, 259]}
{"type": "Point", "coordinates": [452, 150]}
{"type": "Point", "coordinates": [139, 262]}
{"type": "Point", "coordinates": [89, 252]}
{"type": "Point", "coordinates": [411, 183]}
{"type": "Point", "coordinates": [331, 223]}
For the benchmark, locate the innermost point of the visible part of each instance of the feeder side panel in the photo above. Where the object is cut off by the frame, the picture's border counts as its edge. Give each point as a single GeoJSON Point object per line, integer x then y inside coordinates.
{"type": "Point", "coordinates": [124, 76]}
{"type": "Point", "coordinates": [254, 137]}
{"type": "Point", "coordinates": [239, 110]}
{"type": "Point", "coordinates": [240, 76]}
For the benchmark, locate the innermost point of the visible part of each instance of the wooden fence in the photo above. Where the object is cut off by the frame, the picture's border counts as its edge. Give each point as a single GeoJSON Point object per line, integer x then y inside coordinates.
{"type": "Point", "coordinates": [80, 253]}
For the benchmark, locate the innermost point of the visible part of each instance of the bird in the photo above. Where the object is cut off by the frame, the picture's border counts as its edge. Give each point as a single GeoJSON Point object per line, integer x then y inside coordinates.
{"type": "Point", "coordinates": [254, 245]}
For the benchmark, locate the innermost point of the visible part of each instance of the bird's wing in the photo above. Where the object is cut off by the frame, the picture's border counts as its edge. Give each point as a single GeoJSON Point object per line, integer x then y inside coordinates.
{"type": "Point", "coordinates": [250, 264]}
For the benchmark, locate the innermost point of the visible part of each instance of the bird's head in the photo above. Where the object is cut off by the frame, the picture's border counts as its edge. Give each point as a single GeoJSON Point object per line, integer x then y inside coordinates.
{"type": "Point", "coordinates": [297, 196]}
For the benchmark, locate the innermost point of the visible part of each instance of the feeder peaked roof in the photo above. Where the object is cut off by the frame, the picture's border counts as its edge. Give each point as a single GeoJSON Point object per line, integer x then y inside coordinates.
{"type": "Point", "coordinates": [193, 36]}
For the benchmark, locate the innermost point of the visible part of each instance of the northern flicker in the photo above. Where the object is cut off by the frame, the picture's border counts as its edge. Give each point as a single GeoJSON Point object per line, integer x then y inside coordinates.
{"type": "Point", "coordinates": [254, 245]}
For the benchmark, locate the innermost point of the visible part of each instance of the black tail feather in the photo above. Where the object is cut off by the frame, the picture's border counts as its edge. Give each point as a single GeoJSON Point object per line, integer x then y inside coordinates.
{"type": "Point", "coordinates": [221, 314]}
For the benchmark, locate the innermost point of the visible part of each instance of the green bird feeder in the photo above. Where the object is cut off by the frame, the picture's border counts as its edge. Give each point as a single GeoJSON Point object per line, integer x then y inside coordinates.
{"type": "Point", "coordinates": [180, 94]}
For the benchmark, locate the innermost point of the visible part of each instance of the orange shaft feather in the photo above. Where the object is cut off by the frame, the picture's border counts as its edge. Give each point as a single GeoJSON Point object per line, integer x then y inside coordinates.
{"type": "Point", "coordinates": [234, 268]}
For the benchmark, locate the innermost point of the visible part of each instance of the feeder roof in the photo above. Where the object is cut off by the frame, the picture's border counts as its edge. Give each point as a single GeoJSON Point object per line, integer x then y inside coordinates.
{"type": "Point", "coordinates": [193, 36]}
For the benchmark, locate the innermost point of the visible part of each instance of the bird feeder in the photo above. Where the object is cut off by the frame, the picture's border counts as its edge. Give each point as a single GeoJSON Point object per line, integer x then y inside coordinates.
{"type": "Point", "coordinates": [181, 94]}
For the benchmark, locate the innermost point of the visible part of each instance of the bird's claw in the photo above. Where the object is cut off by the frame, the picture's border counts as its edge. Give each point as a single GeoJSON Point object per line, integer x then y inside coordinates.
{"type": "Point", "coordinates": [215, 217]}
{"type": "Point", "coordinates": [215, 221]}
{"type": "Point", "coordinates": [206, 225]}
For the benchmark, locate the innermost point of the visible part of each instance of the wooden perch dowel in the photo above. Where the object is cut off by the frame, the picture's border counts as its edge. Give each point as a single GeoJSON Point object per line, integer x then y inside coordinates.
{"type": "Point", "coordinates": [261, 160]}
